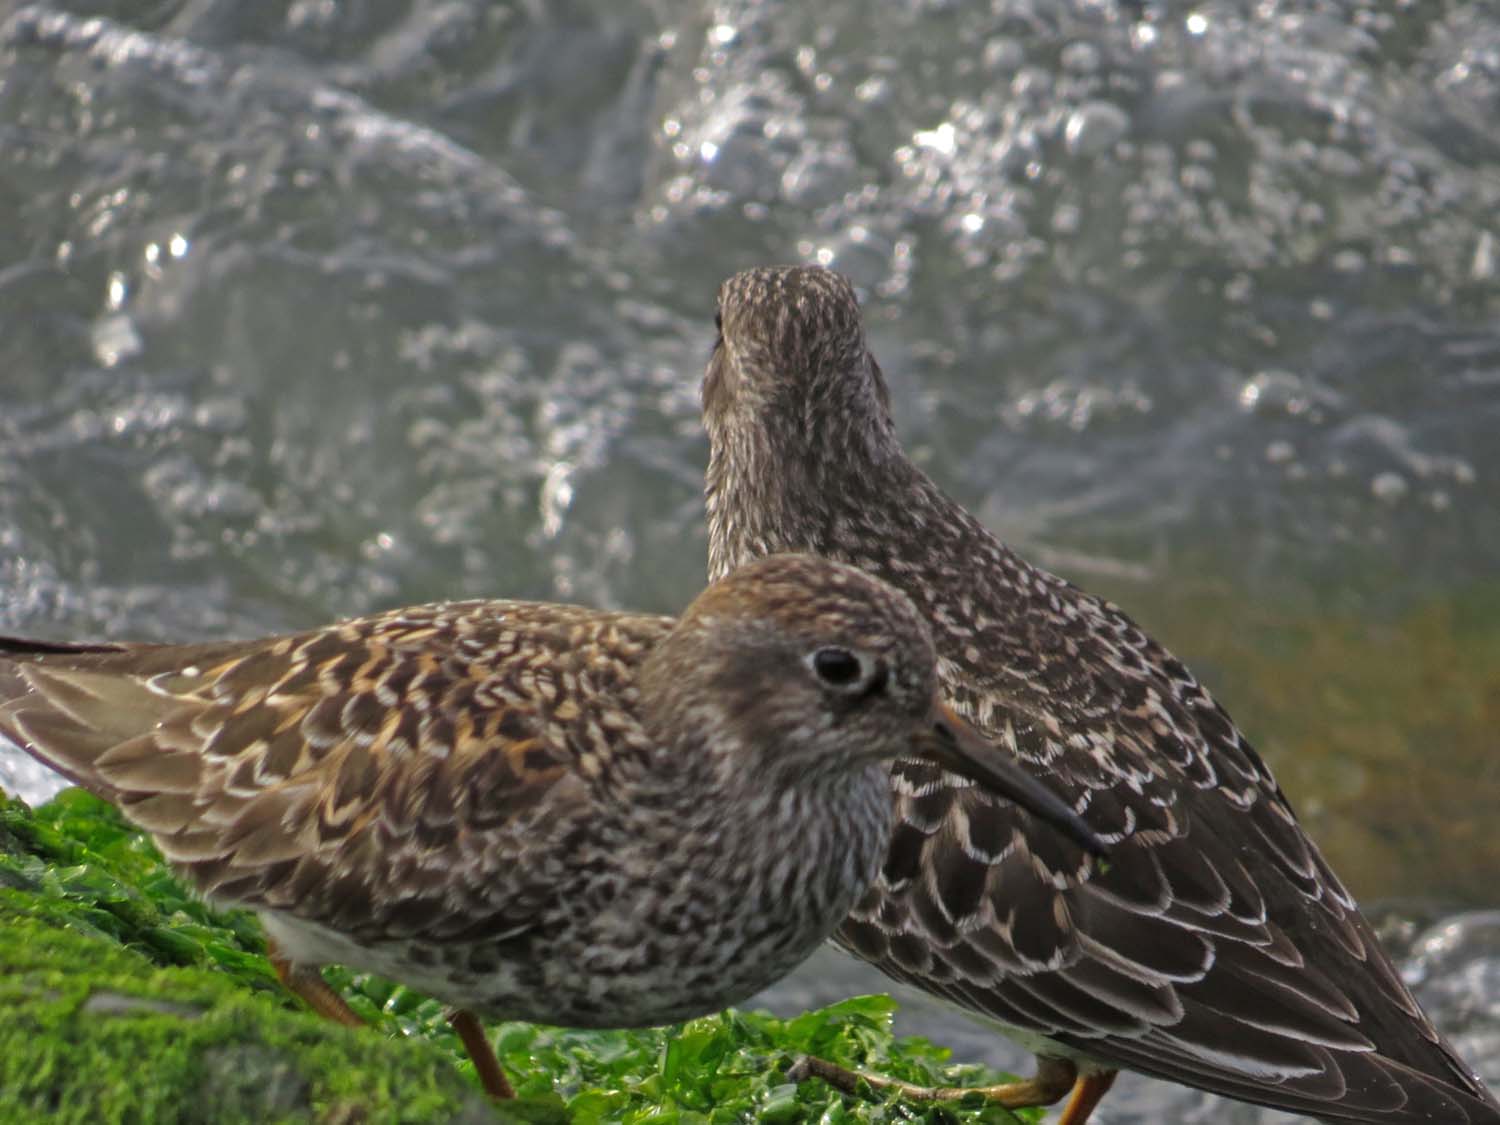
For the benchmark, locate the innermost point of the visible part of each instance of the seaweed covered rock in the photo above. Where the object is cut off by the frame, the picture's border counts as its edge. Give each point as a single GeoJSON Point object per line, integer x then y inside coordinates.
{"type": "Point", "coordinates": [126, 999]}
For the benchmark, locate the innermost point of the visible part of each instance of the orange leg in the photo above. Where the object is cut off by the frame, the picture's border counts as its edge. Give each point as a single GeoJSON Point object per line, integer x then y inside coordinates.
{"type": "Point", "coordinates": [1088, 1091]}
{"type": "Point", "coordinates": [315, 992]}
{"type": "Point", "coordinates": [491, 1075]}
{"type": "Point", "coordinates": [1054, 1078]}
{"type": "Point", "coordinates": [310, 985]}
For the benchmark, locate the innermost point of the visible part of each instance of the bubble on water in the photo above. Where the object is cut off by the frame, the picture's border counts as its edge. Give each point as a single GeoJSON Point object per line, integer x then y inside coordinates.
{"type": "Point", "coordinates": [1280, 452]}
{"type": "Point", "coordinates": [115, 339]}
{"type": "Point", "coordinates": [1389, 487]}
{"type": "Point", "coordinates": [1080, 57]}
{"type": "Point", "coordinates": [1004, 54]}
{"type": "Point", "coordinates": [1094, 128]}
{"type": "Point", "coordinates": [1483, 266]}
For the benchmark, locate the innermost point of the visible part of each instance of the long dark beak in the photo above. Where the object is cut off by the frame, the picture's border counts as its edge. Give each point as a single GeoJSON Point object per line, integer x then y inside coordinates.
{"type": "Point", "coordinates": [957, 746]}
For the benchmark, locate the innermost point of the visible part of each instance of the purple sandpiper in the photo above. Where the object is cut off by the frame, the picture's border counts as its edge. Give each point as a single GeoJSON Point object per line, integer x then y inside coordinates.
{"type": "Point", "coordinates": [1215, 948]}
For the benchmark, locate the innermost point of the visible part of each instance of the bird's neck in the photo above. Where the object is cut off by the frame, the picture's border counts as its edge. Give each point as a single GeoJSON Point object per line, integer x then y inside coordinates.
{"type": "Point", "coordinates": [796, 484]}
{"type": "Point", "coordinates": [845, 493]}
{"type": "Point", "coordinates": [862, 502]}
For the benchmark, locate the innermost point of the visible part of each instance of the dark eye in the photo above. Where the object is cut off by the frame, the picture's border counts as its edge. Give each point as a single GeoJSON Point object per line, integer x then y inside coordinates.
{"type": "Point", "coordinates": [719, 323]}
{"type": "Point", "coordinates": [850, 673]}
{"type": "Point", "coordinates": [836, 666]}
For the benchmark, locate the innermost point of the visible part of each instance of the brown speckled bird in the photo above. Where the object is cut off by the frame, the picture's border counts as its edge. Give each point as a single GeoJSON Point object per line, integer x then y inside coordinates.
{"type": "Point", "coordinates": [1217, 948]}
{"type": "Point", "coordinates": [528, 811]}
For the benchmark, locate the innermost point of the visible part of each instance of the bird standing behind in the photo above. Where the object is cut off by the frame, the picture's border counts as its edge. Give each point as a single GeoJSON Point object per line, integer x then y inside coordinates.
{"type": "Point", "coordinates": [528, 811]}
{"type": "Point", "coordinates": [1217, 948]}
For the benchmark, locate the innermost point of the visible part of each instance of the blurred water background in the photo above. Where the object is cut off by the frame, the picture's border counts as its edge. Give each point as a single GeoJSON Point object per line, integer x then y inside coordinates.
{"type": "Point", "coordinates": [313, 308]}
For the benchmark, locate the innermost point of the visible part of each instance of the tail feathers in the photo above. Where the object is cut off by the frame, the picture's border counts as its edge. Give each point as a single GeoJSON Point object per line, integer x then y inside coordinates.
{"type": "Point", "coordinates": [130, 723]}
{"type": "Point", "coordinates": [80, 722]}
{"type": "Point", "coordinates": [58, 742]}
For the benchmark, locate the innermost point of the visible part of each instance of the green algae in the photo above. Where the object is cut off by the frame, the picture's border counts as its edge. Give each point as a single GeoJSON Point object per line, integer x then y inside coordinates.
{"type": "Point", "coordinates": [128, 1000]}
{"type": "Point", "coordinates": [94, 1034]}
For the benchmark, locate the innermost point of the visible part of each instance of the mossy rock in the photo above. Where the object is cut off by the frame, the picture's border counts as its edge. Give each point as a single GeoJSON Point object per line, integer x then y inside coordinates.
{"type": "Point", "coordinates": [121, 1007]}
{"type": "Point", "coordinates": [126, 999]}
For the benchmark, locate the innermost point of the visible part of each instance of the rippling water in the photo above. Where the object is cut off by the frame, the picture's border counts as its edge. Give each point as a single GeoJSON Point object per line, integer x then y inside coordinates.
{"type": "Point", "coordinates": [312, 308]}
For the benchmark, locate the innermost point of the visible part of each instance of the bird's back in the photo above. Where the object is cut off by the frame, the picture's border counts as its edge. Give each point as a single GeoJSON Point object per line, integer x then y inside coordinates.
{"type": "Point", "coordinates": [1215, 947]}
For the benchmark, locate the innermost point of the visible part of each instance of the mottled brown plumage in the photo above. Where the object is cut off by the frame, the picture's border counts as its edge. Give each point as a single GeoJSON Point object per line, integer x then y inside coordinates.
{"type": "Point", "coordinates": [1216, 948]}
{"type": "Point", "coordinates": [529, 811]}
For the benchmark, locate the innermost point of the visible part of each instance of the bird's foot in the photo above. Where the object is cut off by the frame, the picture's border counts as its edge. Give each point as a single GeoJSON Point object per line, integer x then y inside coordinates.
{"type": "Point", "coordinates": [316, 993]}
{"type": "Point", "coordinates": [1054, 1078]}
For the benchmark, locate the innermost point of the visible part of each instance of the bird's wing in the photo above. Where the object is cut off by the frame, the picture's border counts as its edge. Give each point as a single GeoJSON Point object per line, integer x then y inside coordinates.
{"type": "Point", "coordinates": [356, 777]}
{"type": "Point", "coordinates": [1214, 946]}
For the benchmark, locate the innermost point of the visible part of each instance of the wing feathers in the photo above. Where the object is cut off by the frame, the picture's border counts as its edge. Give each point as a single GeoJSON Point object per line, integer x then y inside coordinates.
{"type": "Point", "coordinates": [303, 774]}
{"type": "Point", "coordinates": [142, 765]}
{"type": "Point", "coordinates": [1174, 961]}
